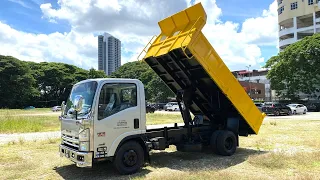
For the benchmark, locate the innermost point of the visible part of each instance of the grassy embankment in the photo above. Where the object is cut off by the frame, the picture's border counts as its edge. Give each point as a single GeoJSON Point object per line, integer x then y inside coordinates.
{"type": "Point", "coordinates": [284, 149]}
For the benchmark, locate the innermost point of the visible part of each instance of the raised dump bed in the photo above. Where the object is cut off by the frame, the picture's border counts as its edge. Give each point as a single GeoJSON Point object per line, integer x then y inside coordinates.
{"type": "Point", "coordinates": [184, 59]}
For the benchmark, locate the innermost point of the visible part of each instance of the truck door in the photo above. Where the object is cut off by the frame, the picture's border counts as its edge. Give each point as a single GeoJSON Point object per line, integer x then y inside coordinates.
{"type": "Point", "coordinates": [118, 115]}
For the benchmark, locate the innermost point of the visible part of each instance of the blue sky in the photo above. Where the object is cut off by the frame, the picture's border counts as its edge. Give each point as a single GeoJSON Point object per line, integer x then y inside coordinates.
{"type": "Point", "coordinates": [27, 16]}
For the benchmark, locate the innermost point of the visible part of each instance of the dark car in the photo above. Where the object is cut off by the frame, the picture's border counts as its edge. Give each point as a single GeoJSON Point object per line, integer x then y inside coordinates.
{"type": "Point", "coordinates": [159, 106]}
{"type": "Point", "coordinates": [276, 109]}
{"type": "Point", "coordinates": [259, 105]}
{"type": "Point", "coordinates": [150, 109]}
{"type": "Point", "coordinates": [314, 107]}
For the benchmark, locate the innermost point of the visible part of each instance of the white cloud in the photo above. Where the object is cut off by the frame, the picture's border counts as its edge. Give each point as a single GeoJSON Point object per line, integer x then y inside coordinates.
{"type": "Point", "coordinates": [72, 47]}
{"type": "Point", "coordinates": [134, 22]}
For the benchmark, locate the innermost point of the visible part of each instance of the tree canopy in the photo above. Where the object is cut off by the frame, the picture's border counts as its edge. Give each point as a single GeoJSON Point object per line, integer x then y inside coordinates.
{"type": "Point", "coordinates": [17, 85]}
{"type": "Point", "coordinates": [296, 69]}
{"type": "Point", "coordinates": [42, 84]}
{"type": "Point", "coordinates": [155, 89]}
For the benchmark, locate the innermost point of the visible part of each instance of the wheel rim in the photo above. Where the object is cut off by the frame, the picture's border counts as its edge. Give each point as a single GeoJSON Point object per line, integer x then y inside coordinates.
{"type": "Point", "coordinates": [228, 144]}
{"type": "Point", "coordinates": [130, 158]}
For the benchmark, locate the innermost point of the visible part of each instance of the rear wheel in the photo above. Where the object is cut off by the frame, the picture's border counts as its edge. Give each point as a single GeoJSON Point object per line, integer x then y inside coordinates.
{"type": "Point", "coordinates": [305, 112]}
{"type": "Point", "coordinates": [226, 143]}
{"type": "Point", "coordinates": [129, 158]}
{"type": "Point", "coordinates": [277, 112]}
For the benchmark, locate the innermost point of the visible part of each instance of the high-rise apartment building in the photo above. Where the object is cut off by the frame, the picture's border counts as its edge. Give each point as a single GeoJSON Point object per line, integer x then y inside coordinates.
{"type": "Point", "coordinates": [109, 53]}
{"type": "Point", "coordinates": [297, 19]}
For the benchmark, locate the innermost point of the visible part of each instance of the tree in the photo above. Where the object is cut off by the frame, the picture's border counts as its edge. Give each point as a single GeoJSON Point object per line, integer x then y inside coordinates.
{"type": "Point", "coordinates": [155, 89]}
{"type": "Point", "coordinates": [55, 81]}
{"type": "Point", "coordinates": [296, 69]}
{"type": "Point", "coordinates": [17, 85]}
{"type": "Point", "coordinates": [96, 74]}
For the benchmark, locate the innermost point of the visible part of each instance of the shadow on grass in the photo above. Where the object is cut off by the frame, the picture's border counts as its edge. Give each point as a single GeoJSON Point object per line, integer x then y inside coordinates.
{"type": "Point", "coordinates": [182, 161]}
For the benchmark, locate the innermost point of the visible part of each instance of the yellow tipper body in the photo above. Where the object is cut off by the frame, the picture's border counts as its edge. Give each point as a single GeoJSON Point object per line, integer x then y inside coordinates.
{"type": "Point", "coordinates": [183, 58]}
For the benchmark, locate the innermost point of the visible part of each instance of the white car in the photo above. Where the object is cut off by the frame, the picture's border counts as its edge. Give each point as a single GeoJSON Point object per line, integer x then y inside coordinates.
{"type": "Point", "coordinates": [298, 108]}
{"type": "Point", "coordinates": [56, 108]}
{"type": "Point", "coordinates": [173, 106]}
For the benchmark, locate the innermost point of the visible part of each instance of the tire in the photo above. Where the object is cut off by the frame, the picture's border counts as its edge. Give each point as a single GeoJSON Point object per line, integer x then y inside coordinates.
{"type": "Point", "coordinates": [289, 113]}
{"type": "Point", "coordinates": [276, 112]}
{"type": "Point", "coordinates": [213, 141]}
{"type": "Point", "coordinates": [294, 112]}
{"type": "Point", "coordinates": [305, 112]}
{"type": "Point", "coordinates": [226, 143]}
{"type": "Point", "coordinates": [129, 158]}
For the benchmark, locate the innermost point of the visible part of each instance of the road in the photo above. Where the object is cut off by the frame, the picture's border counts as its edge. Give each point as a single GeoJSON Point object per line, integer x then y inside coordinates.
{"type": "Point", "coordinates": [6, 138]}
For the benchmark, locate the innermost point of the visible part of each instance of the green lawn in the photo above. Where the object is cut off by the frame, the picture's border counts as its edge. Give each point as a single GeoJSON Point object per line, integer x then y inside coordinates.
{"type": "Point", "coordinates": [287, 149]}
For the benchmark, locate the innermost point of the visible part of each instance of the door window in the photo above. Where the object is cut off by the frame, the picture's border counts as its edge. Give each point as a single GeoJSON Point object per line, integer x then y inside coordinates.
{"type": "Point", "coordinates": [116, 97]}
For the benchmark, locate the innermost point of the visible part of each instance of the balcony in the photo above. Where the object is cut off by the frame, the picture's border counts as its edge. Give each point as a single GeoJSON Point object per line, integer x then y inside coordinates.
{"type": "Point", "coordinates": [286, 42]}
{"type": "Point", "coordinates": [308, 29]}
{"type": "Point", "coordinates": [283, 32]}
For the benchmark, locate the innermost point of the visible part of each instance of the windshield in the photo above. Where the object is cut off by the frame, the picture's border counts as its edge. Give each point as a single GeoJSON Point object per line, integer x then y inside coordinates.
{"type": "Point", "coordinates": [87, 91]}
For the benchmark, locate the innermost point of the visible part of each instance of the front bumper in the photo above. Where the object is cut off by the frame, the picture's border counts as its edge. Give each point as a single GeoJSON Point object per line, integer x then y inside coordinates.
{"type": "Point", "coordinates": [82, 159]}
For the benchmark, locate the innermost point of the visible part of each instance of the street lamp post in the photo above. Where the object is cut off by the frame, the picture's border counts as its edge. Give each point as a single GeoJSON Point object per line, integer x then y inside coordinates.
{"type": "Point", "coordinates": [249, 80]}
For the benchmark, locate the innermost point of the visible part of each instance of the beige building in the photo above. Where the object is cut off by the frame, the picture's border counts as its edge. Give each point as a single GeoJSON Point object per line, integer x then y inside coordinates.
{"type": "Point", "coordinates": [297, 19]}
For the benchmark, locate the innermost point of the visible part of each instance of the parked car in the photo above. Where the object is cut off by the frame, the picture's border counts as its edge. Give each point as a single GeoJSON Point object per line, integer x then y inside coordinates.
{"type": "Point", "coordinates": [173, 107]}
{"type": "Point", "coordinates": [56, 108]}
{"type": "Point", "coordinates": [259, 106]}
{"type": "Point", "coordinates": [150, 108]}
{"type": "Point", "coordinates": [276, 109]}
{"type": "Point", "coordinates": [165, 107]}
{"type": "Point", "coordinates": [313, 107]}
{"type": "Point", "coordinates": [298, 108]}
{"type": "Point", "coordinates": [159, 106]}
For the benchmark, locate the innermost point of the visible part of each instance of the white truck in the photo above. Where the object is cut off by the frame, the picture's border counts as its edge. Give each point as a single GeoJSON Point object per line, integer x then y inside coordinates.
{"type": "Point", "coordinates": [105, 119]}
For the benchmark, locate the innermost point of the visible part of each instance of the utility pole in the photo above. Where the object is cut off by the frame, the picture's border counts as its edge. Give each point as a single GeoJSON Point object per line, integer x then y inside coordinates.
{"type": "Point", "coordinates": [249, 80]}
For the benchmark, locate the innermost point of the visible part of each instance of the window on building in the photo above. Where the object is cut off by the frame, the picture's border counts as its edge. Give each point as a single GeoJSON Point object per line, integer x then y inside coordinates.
{"type": "Point", "coordinates": [310, 2]}
{"type": "Point", "coordinates": [279, 2]}
{"type": "Point", "coordinates": [280, 10]}
{"type": "Point", "coordinates": [294, 5]}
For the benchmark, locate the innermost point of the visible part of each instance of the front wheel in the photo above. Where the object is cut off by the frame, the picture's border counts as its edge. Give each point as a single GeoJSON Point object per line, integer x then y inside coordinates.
{"type": "Point", "coordinates": [129, 158]}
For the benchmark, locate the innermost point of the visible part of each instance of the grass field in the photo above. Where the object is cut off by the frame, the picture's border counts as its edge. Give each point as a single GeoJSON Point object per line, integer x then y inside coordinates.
{"type": "Point", "coordinates": [284, 149]}
{"type": "Point", "coordinates": [36, 120]}
{"type": "Point", "coordinates": [42, 120]}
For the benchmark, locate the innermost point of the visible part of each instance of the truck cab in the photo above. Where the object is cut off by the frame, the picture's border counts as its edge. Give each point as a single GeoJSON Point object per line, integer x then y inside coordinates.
{"type": "Point", "coordinates": [111, 110]}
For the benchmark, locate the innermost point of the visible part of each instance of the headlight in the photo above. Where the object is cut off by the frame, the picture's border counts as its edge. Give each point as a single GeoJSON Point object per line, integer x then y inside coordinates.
{"type": "Point", "coordinates": [84, 135]}
{"type": "Point", "coordinates": [84, 146]}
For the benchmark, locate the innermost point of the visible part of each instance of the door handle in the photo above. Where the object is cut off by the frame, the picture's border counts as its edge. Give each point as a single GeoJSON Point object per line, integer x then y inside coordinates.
{"type": "Point", "coordinates": [136, 123]}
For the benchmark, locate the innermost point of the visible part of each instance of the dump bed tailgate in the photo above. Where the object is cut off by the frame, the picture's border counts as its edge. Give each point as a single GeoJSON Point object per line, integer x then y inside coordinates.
{"type": "Point", "coordinates": [183, 58]}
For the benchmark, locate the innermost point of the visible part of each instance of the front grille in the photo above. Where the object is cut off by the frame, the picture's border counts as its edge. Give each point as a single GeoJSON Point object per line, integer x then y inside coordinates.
{"type": "Point", "coordinates": [70, 141]}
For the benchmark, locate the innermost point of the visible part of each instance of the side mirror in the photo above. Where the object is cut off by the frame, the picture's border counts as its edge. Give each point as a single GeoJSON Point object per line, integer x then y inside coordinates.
{"type": "Point", "coordinates": [78, 102]}
{"type": "Point", "coordinates": [63, 107]}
